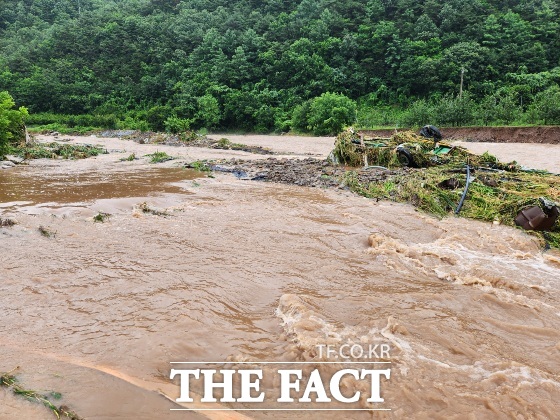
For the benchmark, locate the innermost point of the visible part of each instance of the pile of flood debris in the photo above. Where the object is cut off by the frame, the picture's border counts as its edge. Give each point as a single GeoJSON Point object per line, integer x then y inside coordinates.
{"type": "Point", "coordinates": [11, 382]}
{"type": "Point", "coordinates": [56, 150]}
{"type": "Point", "coordinates": [192, 139]}
{"type": "Point", "coordinates": [445, 179]}
{"type": "Point", "coordinates": [407, 148]}
{"type": "Point", "coordinates": [492, 195]}
{"type": "Point", "coordinates": [501, 193]}
{"type": "Point", "coordinates": [21, 153]}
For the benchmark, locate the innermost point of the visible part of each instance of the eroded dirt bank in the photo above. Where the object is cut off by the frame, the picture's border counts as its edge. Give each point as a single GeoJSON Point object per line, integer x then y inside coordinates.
{"type": "Point", "coordinates": [233, 269]}
{"type": "Point", "coordinates": [541, 134]}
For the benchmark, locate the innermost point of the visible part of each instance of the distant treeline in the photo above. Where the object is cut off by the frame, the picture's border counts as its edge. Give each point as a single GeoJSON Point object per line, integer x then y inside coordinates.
{"type": "Point", "coordinates": [280, 64]}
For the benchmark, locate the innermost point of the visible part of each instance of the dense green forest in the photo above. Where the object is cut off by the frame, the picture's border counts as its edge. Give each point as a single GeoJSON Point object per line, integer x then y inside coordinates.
{"type": "Point", "coordinates": [280, 65]}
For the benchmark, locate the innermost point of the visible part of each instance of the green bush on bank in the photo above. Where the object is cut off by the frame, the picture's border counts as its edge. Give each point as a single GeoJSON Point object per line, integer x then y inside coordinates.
{"type": "Point", "coordinates": [324, 115]}
{"type": "Point", "coordinates": [12, 122]}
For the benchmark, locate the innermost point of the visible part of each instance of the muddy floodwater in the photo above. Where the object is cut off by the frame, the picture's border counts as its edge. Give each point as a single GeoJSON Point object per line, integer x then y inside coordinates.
{"type": "Point", "coordinates": [245, 271]}
{"type": "Point", "coordinates": [22, 188]}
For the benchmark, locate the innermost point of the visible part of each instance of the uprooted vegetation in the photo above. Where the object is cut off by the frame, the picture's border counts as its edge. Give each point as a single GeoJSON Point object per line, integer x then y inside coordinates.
{"type": "Point", "coordinates": [200, 165]}
{"type": "Point", "coordinates": [406, 148]}
{"type": "Point", "coordinates": [10, 381]}
{"type": "Point", "coordinates": [132, 157]}
{"type": "Point", "coordinates": [159, 157]}
{"type": "Point", "coordinates": [146, 208]}
{"type": "Point", "coordinates": [192, 139]}
{"type": "Point", "coordinates": [46, 232]}
{"type": "Point", "coordinates": [101, 217]}
{"type": "Point", "coordinates": [226, 144]}
{"type": "Point", "coordinates": [497, 193]}
{"type": "Point", "coordinates": [57, 150]}
{"type": "Point", "coordinates": [494, 197]}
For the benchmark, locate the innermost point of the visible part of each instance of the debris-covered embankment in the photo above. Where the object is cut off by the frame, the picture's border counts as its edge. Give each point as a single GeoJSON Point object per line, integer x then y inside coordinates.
{"type": "Point", "coordinates": [497, 192]}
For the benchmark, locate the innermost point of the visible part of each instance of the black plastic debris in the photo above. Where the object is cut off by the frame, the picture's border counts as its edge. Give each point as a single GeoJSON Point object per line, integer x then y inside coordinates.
{"type": "Point", "coordinates": [431, 132]}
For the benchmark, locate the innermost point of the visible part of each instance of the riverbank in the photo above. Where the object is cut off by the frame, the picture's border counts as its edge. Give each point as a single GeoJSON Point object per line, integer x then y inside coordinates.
{"type": "Point", "coordinates": [537, 134]}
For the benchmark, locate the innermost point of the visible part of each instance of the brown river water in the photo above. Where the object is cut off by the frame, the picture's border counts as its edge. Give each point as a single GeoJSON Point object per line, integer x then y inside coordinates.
{"type": "Point", "coordinates": [242, 271]}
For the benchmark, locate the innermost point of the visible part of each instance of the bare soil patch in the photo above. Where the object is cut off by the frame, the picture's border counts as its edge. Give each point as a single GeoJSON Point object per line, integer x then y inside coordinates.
{"type": "Point", "coordinates": [541, 134]}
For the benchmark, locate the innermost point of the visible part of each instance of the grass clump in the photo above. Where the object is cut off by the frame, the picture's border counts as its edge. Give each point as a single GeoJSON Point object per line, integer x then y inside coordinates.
{"type": "Point", "coordinates": [159, 157]}
{"type": "Point", "coordinates": [188, 136]}
{"type": "Point", "coordinates": [130, 158]}
{"type": "Point", "coordinates": [200, 165]}
{"type": "Point", "coordinates": [46, 232]}
{"type": "Point", "coordinates": [226, 144]}
{"type": "Point", "coordinates": [9, 381]}
{"type": "Point", "coordinates": [57, 150]}
{"type": "Point", "coordinates": [101, 217]}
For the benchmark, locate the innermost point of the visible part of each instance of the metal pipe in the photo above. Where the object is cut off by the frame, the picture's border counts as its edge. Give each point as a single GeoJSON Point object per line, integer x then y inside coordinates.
{"type": "Point", "coordinates": [460, 206]}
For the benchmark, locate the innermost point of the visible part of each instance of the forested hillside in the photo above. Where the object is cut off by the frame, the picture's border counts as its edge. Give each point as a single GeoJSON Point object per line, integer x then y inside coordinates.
{"type": "Point", "coordinates": [246, 64]}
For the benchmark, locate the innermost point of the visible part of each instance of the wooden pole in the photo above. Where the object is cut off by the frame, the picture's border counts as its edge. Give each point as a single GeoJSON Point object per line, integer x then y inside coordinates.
{"type": "Point", "coordinates": [365, 151]}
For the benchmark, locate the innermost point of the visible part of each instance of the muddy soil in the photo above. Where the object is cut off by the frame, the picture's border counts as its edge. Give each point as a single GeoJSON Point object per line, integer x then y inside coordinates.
{"type": "Point", "coordinates": [542, 134]}
{"type": "Point", "coordinates": [304, 172]}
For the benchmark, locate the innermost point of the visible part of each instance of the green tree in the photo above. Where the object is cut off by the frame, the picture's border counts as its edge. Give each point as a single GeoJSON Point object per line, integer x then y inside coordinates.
{"type": "Point", "coordinates": [547, 105]}
{"type": "Point", "coordinates": [486, 110]}
{"type": "Point", "coordinates": [157, 116]}
{"type": "Point", "coordinates": [300, 117]}
{"type": "Point", "coordinates": [330, 112]}
{"type": "Point", "coordinates": [455, 111]}
{"type": "Point", "coordinates": [12, 122]}
{"type": "Point", "coordinates": [425, 29]}
{"type": "Point", "coordinates": [508, 108]}
{"type": "Point", "coordinates": [208, 114]}
{"type": "Point", "coordinates": [419, 114]}
{"type": "Point", "coordinates": [177, 125]}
